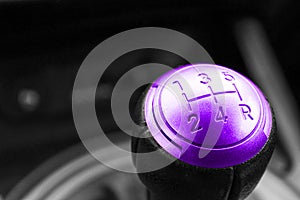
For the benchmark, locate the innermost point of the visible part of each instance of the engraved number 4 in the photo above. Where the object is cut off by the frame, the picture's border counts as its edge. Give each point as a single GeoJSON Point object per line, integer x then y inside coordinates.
{"type": "Point", "coordinates": [221, 115]}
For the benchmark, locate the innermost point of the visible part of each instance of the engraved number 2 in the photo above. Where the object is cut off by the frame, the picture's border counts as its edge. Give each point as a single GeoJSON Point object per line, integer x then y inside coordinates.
{"type": "Point", "coordinates": [194, 120]}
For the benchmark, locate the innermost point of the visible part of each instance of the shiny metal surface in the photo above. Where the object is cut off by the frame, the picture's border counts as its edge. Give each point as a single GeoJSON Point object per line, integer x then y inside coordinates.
{"type": "Point", "coordinates": [208, 115]}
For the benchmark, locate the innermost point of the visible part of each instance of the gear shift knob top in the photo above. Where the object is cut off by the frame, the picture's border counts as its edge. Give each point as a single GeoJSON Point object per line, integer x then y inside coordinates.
{"type": "Point", "coordinates": [213, 125]}
{"type": "Point", "coordinates": [208, 116]}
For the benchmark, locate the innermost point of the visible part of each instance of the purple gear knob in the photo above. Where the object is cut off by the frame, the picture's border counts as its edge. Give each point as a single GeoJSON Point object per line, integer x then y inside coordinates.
{"type": "Point", "coordinates": [208, 115]}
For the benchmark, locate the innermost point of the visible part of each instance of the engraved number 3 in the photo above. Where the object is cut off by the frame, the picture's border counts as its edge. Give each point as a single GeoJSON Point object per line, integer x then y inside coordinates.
{"type": "Point", "coordinates": [204, 78]}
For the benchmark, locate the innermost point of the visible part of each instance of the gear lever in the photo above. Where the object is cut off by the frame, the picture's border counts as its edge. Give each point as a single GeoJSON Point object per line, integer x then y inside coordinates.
{"type": "Point", "coordinates": [216, 123]}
